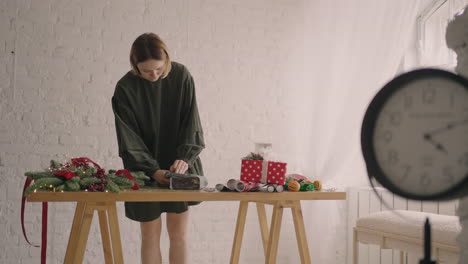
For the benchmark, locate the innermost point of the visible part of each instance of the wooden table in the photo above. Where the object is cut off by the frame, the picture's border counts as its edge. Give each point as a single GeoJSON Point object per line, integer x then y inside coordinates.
{"type": "Point", "coordinates": [105, 205]}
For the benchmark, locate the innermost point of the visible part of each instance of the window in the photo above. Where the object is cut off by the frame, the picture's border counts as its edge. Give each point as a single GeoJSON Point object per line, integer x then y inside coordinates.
{"type": "Point", "coordinates": [432, 24]}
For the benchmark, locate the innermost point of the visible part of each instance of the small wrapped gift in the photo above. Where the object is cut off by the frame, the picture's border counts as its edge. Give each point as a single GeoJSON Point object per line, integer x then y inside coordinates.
{"type": "Point", "coordinates": [255, 169]}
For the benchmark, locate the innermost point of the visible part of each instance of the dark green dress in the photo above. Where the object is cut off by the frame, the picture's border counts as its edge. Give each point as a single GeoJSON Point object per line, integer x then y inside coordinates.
{"type": "Point", "coordinates": [157, 123]}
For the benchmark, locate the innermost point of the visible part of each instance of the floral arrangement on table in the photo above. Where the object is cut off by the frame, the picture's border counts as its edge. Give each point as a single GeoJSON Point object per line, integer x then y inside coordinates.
{"type": "Point", "coordinates": [83, 174]}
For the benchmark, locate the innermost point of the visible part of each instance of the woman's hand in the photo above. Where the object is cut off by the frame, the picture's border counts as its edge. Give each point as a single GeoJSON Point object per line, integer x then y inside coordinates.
{"type": "Point", "coordinates": [179, 166]}
{"type": "Point", "coordinates": [160, 177]}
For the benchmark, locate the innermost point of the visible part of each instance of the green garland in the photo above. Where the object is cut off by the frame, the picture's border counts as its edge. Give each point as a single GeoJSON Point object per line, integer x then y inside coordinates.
{"type": "Point", "coordinates": [78, 176]}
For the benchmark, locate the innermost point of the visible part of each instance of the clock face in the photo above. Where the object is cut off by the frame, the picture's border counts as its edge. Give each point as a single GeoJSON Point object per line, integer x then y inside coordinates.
{"type": "Point", "coordinates": [419, 137]}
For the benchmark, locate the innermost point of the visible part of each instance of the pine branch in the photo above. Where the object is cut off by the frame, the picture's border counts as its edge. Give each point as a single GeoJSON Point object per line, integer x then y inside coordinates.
{"type": "Point", "coordinates": [35, 175]}
{"type": "Point", "coordinates": [72, 185]}
{"type": "Point", "coordinates": [43, 183]}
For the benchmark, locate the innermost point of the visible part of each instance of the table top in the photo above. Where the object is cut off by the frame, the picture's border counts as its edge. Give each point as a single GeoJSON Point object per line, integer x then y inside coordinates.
{"type": "Point", "coordinates": [157, 194]}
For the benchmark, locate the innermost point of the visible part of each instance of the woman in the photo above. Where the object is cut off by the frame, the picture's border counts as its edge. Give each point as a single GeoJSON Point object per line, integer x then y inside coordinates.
{"type": "Point", "coordinates": [158, 130]}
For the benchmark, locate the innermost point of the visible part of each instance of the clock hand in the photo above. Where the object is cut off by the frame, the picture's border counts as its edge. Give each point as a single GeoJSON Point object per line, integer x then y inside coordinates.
{"type": "Point", "coordinates": [428, 136]}
{"type": "Point", "coordinates": [447, 127]}
{"type": "Point", "coordinates": [437, 145]}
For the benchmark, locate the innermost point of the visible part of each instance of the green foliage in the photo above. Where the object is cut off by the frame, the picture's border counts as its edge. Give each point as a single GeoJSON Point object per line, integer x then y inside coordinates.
{"type": "Point", "coordinates": [136, 174]}
{"type": "Point", "coordinates": [122, 182]}
{"type": "Point", "coordinates": [60, 188]}
{"type": "Point", "coordinates": [35, 175]}
{"type": "Point", "coordinates": [75, 179]}
{"type": "Point", "coordinates": [112, 186]}
{"type": "Point", "coordinates": [139, 175]}
{"type": "Point", "coordinates": [42, 184]}
{"type": "Point", "coordinates": [253, 156]}
{"type": "Point", "coordinates": [125, 183]}
{"type": "Point", "coordinates": [72, 186]}
{"type": "Point", "coordinates": [55, 164]}
{"type": "Point", "coordinates": [85, 182]}
{"type": "Point", "coordinates": [140, 182]}
{"type": "Point", "coordinates": [86, 175]}
{"type": "Point", "coordinates": [83, 172]}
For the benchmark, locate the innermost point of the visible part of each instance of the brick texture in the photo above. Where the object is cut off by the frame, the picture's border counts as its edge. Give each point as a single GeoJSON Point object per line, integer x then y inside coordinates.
{"type": "Point", "coordinates": [59, 63]}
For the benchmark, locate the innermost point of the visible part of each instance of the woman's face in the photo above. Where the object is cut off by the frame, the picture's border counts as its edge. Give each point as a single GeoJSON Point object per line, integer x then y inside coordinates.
{"type": "Point", "coordinates": [151, 69]}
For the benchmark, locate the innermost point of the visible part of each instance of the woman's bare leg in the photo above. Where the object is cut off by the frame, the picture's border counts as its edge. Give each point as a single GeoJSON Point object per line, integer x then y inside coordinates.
{"type": "Point", "coordinates": [150, 242]}
{"type": "Point", "coordinates": [177, 229]}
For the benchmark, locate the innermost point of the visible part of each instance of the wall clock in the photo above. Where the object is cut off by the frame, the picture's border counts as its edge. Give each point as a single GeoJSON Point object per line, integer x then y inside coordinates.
{"type": "Point", "coordinates": [414, 135]}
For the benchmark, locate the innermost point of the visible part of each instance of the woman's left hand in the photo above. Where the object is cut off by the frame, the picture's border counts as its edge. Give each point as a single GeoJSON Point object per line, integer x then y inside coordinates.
{"type": "Point", "coordinates": [179, 166]}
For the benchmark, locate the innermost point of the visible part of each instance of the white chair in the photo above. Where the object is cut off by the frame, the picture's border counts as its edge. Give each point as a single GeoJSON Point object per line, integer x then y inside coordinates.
{"type": "Point", "coordinates": [403, 230]}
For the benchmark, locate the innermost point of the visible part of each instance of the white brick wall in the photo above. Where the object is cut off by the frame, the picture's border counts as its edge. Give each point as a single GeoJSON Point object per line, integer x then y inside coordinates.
{"type": "Point", "coordinates": [59, 62]}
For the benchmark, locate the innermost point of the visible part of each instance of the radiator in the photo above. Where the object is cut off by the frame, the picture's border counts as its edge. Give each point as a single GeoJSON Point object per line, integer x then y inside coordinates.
{"type": "Point", "coordinates": [363, 201]}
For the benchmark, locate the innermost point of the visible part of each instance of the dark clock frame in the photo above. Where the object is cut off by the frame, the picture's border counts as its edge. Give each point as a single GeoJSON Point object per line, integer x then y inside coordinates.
{"type": "Point", "coordinates": [368, 127]}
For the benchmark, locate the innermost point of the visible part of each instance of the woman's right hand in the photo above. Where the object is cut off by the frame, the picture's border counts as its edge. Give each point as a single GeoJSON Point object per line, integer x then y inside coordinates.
{"type": "Point", "coordinates": [160, 177]}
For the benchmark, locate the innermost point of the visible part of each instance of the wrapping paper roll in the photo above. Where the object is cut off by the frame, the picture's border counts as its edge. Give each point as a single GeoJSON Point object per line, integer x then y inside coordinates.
{"type": "Point", "coordinates": [247, 186]}
{"type": "Point", "coordinates": [222, 188]}
{"type": "Point", "coordinates": [244, 186]}
{"type": "Point", "coordinates": [279, 187]}
{"type": "Point", "coordinates": [267, 188]}
{"type": "Point", "coordinates": [232, 183]}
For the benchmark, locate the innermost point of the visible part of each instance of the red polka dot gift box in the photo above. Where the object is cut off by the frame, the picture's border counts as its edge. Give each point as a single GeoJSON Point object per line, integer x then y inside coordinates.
{"type": "Point", "coordinates": [263, 171]}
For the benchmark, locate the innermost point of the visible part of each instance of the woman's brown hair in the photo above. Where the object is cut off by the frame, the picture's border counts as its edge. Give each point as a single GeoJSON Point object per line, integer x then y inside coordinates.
{"type": "Point", "coordinates": [149, 46]}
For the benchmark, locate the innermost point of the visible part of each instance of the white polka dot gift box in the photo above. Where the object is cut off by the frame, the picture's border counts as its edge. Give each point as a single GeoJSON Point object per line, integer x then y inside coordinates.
{"type": "Point", "coordinates": [255, 169]}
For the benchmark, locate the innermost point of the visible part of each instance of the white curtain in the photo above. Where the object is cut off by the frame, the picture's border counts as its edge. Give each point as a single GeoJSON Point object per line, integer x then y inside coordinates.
{"type": "Point", "coordinates": [353, 48]}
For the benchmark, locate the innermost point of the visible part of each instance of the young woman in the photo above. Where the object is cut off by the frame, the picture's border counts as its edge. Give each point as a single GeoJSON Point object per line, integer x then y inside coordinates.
{"type": "Point", "coordinates": [158, 130]}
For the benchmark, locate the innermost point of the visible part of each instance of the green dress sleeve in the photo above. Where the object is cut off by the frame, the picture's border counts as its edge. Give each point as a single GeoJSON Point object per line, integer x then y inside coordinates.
{"type": "Point", "coordinates": [132, 149]}
{"type": "Point", "coordinates": [190, 140]}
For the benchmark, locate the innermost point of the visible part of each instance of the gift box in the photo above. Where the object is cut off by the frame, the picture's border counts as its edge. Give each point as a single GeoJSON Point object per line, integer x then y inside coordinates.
{"type": "Point", "coordinates": [263, 171]}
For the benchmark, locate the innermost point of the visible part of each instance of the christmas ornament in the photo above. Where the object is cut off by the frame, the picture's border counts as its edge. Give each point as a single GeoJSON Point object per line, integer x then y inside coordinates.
{"type": "Point", "coordinates": [293, 186]}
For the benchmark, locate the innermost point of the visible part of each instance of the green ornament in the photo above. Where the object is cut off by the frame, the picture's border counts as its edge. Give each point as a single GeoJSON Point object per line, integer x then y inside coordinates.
{"type": "Point", "coordinates": [307, 187]}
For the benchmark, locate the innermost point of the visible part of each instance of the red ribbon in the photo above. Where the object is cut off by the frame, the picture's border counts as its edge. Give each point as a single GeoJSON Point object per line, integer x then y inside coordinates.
{"type": "Point", "coordinates": [44, 223]}
{"type": "Point", "coordinates": [83, 161]}
{"type": "Point", "coordinates": [75, 161]}
{"type": "Point", "coordinates": [129, 176]}
{"type": "Point", "coordinates": [67, 174]}
{"type": "Point", "coordinates": [44, 233]}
